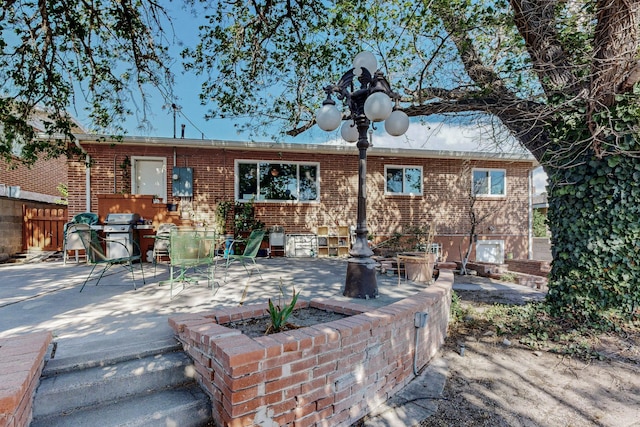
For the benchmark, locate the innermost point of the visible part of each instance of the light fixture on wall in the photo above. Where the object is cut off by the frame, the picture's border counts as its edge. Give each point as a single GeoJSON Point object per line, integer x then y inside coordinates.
{"type": "Point", "coordinates": [372, 102]}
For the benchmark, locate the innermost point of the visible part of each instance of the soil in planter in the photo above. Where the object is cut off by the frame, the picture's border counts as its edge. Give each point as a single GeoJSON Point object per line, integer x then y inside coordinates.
{"type": "Point", "coordinates": [300, 318]}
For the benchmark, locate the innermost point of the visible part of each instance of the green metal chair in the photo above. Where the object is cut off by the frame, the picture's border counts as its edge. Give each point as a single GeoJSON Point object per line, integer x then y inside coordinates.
{"type": "Point", "coordinates": [250, 252]}
{"type": "Point", "coordinates": [93, 246]}
{"type": "Point", "coordinates": [192, 257]}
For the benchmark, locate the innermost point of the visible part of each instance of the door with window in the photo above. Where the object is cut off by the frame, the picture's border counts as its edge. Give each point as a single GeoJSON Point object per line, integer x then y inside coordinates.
{"type": "Point", "coordinates": [149, 176]}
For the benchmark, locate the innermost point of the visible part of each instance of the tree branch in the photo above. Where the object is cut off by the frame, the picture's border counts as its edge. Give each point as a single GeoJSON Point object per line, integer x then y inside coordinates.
{"type": "Point", "coordinates": [536, 23]}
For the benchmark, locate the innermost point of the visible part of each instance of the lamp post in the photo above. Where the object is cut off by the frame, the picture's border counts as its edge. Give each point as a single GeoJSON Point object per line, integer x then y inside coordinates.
{"type": "Point", "coordinates": [372, 102]}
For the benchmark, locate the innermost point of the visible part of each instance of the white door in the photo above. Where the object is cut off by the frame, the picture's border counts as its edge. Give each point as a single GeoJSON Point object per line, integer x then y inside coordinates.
{"type": "Point", "coordinates": [150, 177]}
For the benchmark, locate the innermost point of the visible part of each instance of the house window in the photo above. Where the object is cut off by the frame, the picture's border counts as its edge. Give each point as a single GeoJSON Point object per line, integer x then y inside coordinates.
{"type": "Point", "coordinates": [263, 181]}
{"type": "Point", "coordinates": [149, 176]}
{"type": "Point", "coordinates": [403, 180]}
{"type": "Point", "coordinates": [489, 182]}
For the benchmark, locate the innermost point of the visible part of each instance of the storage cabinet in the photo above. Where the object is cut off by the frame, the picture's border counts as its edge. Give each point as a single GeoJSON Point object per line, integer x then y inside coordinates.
{"type": "Point", "coordinates": [301, 245]}
{"type": "Point", "coordinates": [333, 241]}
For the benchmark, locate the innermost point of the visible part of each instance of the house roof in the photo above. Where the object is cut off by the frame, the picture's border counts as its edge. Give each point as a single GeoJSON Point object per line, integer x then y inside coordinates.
{"type": "Point", "coordinates": [304, 148]}
{"type": "Point", "coordinates": [540, 201]}
{"type": "Point", "coordinates": [40, 116]}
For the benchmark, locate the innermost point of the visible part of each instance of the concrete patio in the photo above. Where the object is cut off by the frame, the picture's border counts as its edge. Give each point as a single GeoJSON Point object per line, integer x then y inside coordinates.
{"type": "Point", "coordinates": [45, 297]}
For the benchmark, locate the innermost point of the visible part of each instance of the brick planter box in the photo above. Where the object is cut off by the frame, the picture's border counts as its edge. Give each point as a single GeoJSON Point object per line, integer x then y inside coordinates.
{"type": "Point", "coordinates": [330, 374]}
{"type": "Point", "coordinates": [21, 363]}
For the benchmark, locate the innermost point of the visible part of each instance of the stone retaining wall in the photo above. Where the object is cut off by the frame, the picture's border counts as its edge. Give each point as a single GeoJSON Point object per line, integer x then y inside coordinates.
{"type": "Point", "coordinates": [21, 363]}
{"type": "Point", "coordinates": [533, 267]}
{"type": "Point", "coordinates": [328, 374]}
{"type": "Point", "coordinates": [526, 272]}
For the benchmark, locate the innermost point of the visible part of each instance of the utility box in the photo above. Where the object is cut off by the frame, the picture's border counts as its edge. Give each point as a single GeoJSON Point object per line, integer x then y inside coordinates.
{"type": "Point", "coordinates": [182, 179]}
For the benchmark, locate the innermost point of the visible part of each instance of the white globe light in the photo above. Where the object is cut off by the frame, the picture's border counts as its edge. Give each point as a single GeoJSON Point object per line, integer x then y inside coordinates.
{"type": "Point", "coordinates": [378, 107]}
{"type": "Point", "coordinates": [349, 131]}
{"type": "Point", "coordinates": [366, 60]}
{"type": "Point", "coordinates": [328, 117]}
{"type": "Point", "coordinates": [397, 123]}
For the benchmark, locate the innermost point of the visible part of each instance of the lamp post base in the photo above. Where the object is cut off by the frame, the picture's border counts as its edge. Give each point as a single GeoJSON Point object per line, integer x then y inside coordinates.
{"type": "Point", "coordinates": [361, 279]}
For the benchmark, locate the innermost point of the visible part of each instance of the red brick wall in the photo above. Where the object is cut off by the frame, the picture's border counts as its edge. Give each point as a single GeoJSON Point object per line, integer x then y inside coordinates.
{"type": "Point", "coordinates": [328, 374]}
{"type": "Point", "coordinates": [445, 198]}
{"type": "Point", "coordinates": [43, 177]}
{"type": "Point", "coordinates": [21, 363]}
{"type": "Point", "coordinates": [536, 268]}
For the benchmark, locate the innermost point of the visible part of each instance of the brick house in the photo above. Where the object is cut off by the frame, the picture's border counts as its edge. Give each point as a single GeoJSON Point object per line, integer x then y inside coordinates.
{"type": "Point", "coordinates": [306, 186]}
{"type": "Point", "coordinates": [33, 188]}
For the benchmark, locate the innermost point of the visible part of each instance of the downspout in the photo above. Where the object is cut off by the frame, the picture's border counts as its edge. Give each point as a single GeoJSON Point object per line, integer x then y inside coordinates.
{"type": "Point", "coordinates": [530, 214]}
{"type": "Point", "coordinates": [87, 176]}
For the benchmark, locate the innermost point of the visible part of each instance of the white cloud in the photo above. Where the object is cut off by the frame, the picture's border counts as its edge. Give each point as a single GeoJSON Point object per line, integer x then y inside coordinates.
{"type": "Point", "coordinates": [442, 136]}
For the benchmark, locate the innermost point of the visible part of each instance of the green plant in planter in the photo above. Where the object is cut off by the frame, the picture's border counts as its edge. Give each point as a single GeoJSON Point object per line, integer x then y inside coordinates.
{"type": "Point", "coordinates": [280, 315]}
{"type": "Point", "coordinates": [244, 218]}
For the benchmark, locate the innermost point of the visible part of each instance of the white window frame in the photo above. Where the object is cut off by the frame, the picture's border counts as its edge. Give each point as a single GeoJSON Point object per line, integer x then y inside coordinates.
{"type": "Point", "coordinates": [404, 193]}
{"type": "Point", "coordinates": [134, 184]}
{"type": "Point", "coordinates": [488, 170]}
{"type": "Point", "coordinates": [239, 197]}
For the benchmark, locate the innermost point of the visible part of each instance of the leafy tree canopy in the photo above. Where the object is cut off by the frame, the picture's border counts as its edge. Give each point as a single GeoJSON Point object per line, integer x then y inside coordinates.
{"type": "Point", "coordinates": [54, 54]}
{"type": "Point", "coordinates": [561, 76]}
{"type": "Point", "coordinates": [523, 62]}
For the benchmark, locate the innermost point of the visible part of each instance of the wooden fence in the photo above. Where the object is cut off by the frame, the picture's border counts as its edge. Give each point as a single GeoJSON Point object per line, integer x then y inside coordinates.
{"type": "Point", "coordinates": [43, 228]}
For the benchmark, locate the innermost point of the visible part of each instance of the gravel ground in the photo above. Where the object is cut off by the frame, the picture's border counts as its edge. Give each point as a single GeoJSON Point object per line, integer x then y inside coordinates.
{"type": "Point", "coordinates": [500, 383]}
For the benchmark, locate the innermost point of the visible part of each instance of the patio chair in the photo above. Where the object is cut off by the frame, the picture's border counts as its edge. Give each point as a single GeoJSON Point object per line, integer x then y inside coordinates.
{"type": "Point", "coordinates": [94, 247]}
{"type": "Point", "coordinates": [192, 254]}
{"type": "Point", "coordinates": [161, 242]}
{"type": "Point", "coordinates": [277, 241]}
{"type": "Point", "coordinates": [71, 240]}
{"type": "Point", "coordinates": [250, 252]}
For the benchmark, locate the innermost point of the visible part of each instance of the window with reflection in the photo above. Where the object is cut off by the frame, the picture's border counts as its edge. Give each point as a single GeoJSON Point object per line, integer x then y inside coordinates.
{"type": "Point", "coordinates": [403, 180]}
{"type": "Point", "coordinates": [489, 182]}
{"type": "Point", "coordinates": [266, 181]}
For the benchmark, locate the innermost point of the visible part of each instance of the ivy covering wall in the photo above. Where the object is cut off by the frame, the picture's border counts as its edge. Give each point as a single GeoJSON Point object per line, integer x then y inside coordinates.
{"type": "Point", "coordinates": [594, 217]}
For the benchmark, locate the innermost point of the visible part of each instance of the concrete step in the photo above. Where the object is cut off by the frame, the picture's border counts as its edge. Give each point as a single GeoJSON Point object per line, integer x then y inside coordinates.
{"type": "Point", "coordinates": [95, 386]}
{"type": "Point", "coordinates": [103, 353]}
{"type": "Point", "coordinates": [135, 384]}
{"type": "Point", "coordinates": [184, 407]}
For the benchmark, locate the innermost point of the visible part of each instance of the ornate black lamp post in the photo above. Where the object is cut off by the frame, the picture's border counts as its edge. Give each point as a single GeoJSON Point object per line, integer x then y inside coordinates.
{"type": "Point", "coordinates": [372, 102]}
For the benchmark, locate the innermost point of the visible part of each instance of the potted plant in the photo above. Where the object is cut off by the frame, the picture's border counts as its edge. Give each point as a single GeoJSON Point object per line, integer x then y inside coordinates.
{"type": "Point", "coordinates": [244, 221]}
{"type": "Point", "coordinates": [173, 205]}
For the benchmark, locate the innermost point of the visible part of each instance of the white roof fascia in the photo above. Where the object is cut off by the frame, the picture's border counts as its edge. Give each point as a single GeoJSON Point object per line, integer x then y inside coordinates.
{"type": "Point", "coordinates": [304, 148]}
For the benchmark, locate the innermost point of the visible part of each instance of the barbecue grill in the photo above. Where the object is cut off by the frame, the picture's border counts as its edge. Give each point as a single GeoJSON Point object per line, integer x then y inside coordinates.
{"type": "Point", "coordinates": [120, 229]}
